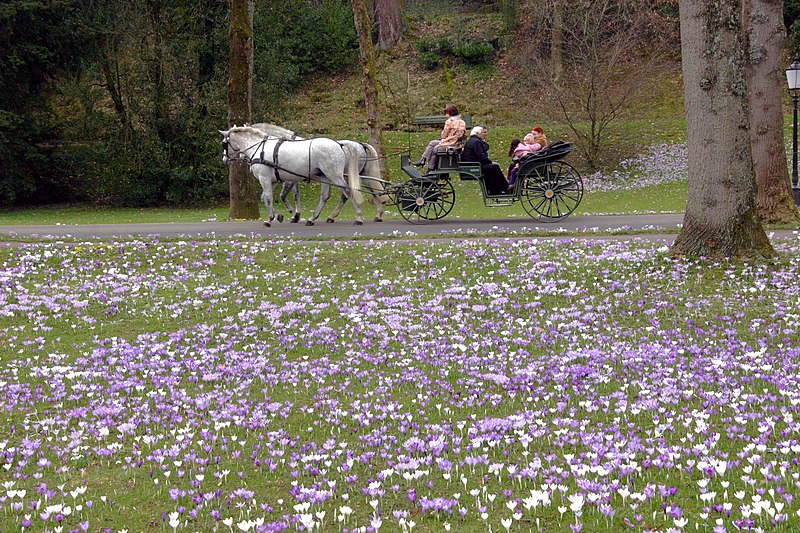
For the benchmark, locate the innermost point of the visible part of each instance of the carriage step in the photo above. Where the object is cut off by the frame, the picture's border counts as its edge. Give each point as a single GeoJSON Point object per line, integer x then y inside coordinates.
{"type": "Point", "coordinates": [499, 200]}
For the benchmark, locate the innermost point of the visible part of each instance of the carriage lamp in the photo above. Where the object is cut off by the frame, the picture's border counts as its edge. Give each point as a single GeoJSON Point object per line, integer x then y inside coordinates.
{"type": "Point", "coordinates": [793, 77]}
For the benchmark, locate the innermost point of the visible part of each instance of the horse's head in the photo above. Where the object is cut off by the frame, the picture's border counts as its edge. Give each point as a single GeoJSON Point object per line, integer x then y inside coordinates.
{"type": "Point", "coordinates": [238, 141]}
{"type": "Point", "coordinates": [226, 143]}
{"type": "Point", "coordinates": [231, 151]}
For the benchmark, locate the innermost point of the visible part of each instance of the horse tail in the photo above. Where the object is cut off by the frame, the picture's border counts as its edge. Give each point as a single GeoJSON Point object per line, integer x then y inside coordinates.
{"type": "Point", "coordinates": [373, 168]}
{"type": "Point", "coordinates": [353, 175]}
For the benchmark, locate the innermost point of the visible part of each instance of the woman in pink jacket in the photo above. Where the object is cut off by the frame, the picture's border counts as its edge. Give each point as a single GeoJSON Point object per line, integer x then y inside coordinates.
{"type": "Point", "coordinates": [527, 146]}
{"type": "Point", "coordinates": [454, 131]}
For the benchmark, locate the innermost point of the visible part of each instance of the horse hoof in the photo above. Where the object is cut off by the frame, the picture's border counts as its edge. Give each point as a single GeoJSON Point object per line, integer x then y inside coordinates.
{"type": "Point", "coordinates": [378, 219]}
{"type": "Point", "coordinates": [330, 220]}
{"type": "Point", "coordinates": [267, 224]}
{"type": "Point", "coordinates": [280, 217]}
{"type": "Point", "coordinates": [359, 223]}
{"type": "Point", "coordinates": [309, 222]}
{"type": "Point", "coordinates": [295, 219]}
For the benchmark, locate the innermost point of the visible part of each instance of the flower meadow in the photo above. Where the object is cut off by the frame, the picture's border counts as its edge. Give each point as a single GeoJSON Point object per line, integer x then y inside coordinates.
{"type": "Point", "coordinates": [659, 164]}
{"type": "Point", "coordinates": [454, 385]}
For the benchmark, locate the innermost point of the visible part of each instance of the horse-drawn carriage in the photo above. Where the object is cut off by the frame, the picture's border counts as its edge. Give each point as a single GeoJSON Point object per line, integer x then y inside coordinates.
{"type": "Point", "coordinates": [548, 188]}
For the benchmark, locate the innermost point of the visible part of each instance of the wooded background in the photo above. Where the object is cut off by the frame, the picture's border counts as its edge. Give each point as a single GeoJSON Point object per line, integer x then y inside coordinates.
{"type": "Point", "coordinates": [118, 102]}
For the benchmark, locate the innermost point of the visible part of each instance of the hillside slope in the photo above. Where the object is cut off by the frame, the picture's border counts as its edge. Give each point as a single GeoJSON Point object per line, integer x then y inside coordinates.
{"type": "Point", "coordinates": [490, 93]}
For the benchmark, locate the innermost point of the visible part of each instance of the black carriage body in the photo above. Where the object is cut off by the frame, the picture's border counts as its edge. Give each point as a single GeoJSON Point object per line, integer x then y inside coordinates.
{"type": "Point", "coordinates": [548, 188]}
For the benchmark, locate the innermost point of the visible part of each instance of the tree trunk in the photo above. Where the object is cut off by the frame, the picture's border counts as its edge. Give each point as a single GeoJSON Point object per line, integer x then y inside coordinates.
{"type": "Point", "coordinates": [389, 18]}
{"type": "Point", "coordinates": [369, 74]}
{"type": "Point", "coordinates": [244, 194]}
{"type": "Point", "coordinates": [156, 74]}
{"type": "Point", "coordinates": [721, 220]}
{"type": "Point", "coordinates": [557, 41]}
{"type": "Point", "coordinates": [764, 24]}
{"type": "Point", "coordinates": [114, 88]}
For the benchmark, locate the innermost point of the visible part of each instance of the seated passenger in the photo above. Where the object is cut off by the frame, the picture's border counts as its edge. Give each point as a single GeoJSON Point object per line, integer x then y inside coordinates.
{"type": "Point", "coordinates": [527, 146]}
{"type": "Point", "coordinates": [454, 131]}
{"type": "Point", "coordinates": [476, 150]}
{"type": "Point", "coordinates": [539, 136]}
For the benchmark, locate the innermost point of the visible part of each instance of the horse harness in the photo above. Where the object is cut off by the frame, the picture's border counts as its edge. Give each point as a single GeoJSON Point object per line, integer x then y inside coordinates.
{"type": "Point", "coordinates": [274, 164]}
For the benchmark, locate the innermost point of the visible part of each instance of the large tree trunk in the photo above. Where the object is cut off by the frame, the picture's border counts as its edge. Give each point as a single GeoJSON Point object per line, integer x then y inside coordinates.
{"type": "Point", "coordinates": [244, 194]}
{"type": "Point", "coordinates": [389, 19]}
{"type": "Point", "coordinates": [721, 219]}
{"type": "Point", "coordinates": [764, 24]}
{"type": "Point", "coordinates": [367, 55]}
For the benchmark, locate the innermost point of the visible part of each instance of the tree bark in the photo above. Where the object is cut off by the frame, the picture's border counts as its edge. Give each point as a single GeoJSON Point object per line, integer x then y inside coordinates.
{"type": "Point", "coordinates": [557, 41]}
{"type": "Point", "coordinates": [369, 75]}
{"type": "Point", "coordinates": [721, 221]}
{"type": "Point", "coordinates": [764, 24]}
{"type": "Point", "coordinates": [389, 19]}
{"type": "Point", "coordinates": [114, 88]}
{"type": "Point", "coordinates": [243, 189]}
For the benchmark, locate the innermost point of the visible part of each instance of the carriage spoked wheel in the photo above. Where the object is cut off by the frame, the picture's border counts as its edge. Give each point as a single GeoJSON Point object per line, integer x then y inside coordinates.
{"type": "Point", "coordinates": [421, 200]}
{"type": "Point", "coordinates": [550, 192]}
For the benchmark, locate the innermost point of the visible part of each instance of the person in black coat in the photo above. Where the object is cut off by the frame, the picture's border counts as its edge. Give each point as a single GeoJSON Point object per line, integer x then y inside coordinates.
{"type": "Point", "coordinates": [476, 150]}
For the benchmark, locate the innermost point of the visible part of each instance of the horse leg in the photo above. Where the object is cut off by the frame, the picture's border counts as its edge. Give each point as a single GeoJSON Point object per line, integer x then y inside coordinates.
{"type": "Point", "coordinates": [325, 193]}
{"type": "Point", "coordinates": [338, 208]}
{"type": "Point", "coordinates": [287, 187]}
{"type": "Point", "coordinates": [266, 197]}
{"type": "Point", "coordinates": [359, 215]}
{"type": "Point", "coordinates": [376, 199]}
{"type": "Point", "coordinates": [296, 217]}
{"type": "Point", "coordinates": [265, 179]}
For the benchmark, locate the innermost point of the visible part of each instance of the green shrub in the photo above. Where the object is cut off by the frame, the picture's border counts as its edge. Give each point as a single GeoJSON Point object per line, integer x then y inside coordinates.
{"type": "Point", "coordinates": [429, 60]}
{"type": "Point", "coordinates": [441, 46]}
{"type": "Point", "coordinates": [425, 45]}
{"type": "Point", "coordinates": [475, 53]}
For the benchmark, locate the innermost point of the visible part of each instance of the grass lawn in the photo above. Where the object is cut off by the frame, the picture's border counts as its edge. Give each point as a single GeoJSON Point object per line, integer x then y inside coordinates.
{"type": "Point", "coordinates": [465, 386]}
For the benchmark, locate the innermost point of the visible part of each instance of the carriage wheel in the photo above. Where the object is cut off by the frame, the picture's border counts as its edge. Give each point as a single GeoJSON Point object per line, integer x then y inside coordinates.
{"type": "Point", "coordinates": [551, 192]}
{"type": "Point", "coordinates": [421, 200]}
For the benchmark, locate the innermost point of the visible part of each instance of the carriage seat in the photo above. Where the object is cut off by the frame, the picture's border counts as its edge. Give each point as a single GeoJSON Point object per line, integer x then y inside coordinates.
{"type": "Point", "coordinates": [447, 158]}
{"type": "Point", "coordinates": [551, 152]}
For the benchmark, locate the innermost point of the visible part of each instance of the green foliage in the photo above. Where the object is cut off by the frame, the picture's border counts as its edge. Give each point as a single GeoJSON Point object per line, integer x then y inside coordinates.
{"type": "Point", "coordinates": [39, 40]}
{"type": "Point", "coordinates": [441, 45]}
{"type": "Point", "coordinates": [475, 53]}
{"type": "Point", "coordinates": [794, 39]}
{"type": "Point", "coordinates": [139, 171]}
{"type": "Point", "coordinates": [429, 60]}
{"type": "Point", "coordinates": [433, 51]}
{"type": "Point", "coordinates": [295, 39]}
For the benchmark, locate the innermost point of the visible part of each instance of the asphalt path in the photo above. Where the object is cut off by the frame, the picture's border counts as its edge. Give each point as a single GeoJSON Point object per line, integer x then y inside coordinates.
{"type": "Point", "coordinates": [343, 229]}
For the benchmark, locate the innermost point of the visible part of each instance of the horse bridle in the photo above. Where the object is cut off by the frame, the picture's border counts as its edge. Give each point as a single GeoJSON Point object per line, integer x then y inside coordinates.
{"type": "Point", "coordinates": [226, 144]}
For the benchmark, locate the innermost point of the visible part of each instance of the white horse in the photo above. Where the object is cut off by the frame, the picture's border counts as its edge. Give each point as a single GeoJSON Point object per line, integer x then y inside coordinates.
{"type": "Point", "coordinates": [368, 166]}
{"type": "Point", "coordinates": [272, 159]}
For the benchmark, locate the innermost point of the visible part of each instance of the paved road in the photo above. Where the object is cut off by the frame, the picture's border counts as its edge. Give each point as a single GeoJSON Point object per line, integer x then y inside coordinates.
{"type": "Point", "coordinates": [344, 229]}
{"type": "Point", "coordinates": [339, 229]}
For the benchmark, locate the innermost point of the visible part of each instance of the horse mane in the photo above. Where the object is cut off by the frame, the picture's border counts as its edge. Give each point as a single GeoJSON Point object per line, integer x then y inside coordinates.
{"type": "Point", "coordinates": [247, 129]}
{"type": "Point", "coordinates": [273, 129]}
